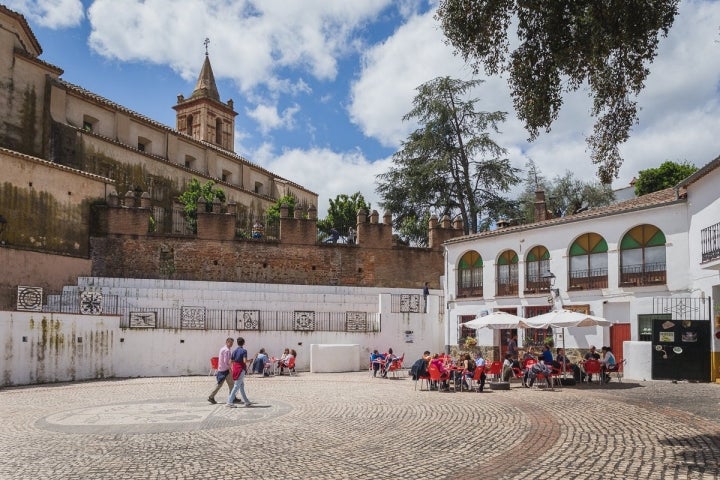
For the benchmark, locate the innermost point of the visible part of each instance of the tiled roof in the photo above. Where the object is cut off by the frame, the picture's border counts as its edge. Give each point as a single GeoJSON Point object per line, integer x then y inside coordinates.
{"type": "Point", "coordinates": [58, 166]}
{"type": "Point", "coordinates": [114, 106]}
{"type": "Point", "coordinates": [700, 173]}
{"type": "Point", "coordinates": [21, 18]}
{"type": "Point", "coordinates": [35, 59]}
{"type": "Point", "coordinates": [667, 196]}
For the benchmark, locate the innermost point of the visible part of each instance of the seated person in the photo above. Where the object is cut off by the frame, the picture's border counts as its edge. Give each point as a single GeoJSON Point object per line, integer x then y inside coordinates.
{"type": "Point", "coordinates": [546, 355]}
{"type": "Point", "coordinates": [419, 368]}
{"type": "Point", "coordinates": [378, 362]}
{"type": "Point", "coordinates": [608, 363]}
{"type": "Point", "coordinates": [468, 370]}
{"type": "Point", "coordinates": [444, 374]}
{"type": "Point", "coordinates": [286, 363]}
{"type": "Point", "coordinates": [562, 363]}
{"type": "Point", "coordinates": [390, 357]}
{"type": "Point", "coordinates": [507, 370]}
{"type": "Point", "coordinates": [534, 371]}
{"type": "Point", "coordinates": [591, 355]}
{"type": "Point", "coordinates": [258, 364]}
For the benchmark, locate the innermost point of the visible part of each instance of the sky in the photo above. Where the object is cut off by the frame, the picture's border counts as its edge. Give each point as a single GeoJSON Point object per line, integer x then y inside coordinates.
{"type": "Point", "coordinates": [321, 87]}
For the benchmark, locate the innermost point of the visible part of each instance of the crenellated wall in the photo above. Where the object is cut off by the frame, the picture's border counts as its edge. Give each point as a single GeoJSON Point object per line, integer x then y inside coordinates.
{"type": "Point", "coordinates": [215, 254]}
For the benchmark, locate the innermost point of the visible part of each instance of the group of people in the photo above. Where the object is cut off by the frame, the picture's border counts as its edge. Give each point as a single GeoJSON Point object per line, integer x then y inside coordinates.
{"type": "Point", "coordinates": [262, 363]}
{"type": "Point", "coordinates": [545, 364]}
{"type": "Point", "coordinates": [460, 371]}
{"type": "Point", "coordinates": [382, 362]}
{"type": "Point", "coordinates": [233, 365]}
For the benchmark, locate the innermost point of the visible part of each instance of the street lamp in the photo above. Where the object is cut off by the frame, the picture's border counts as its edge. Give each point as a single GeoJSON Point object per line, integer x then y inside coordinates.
{"type": "Point", "coordinates": [554, 292]}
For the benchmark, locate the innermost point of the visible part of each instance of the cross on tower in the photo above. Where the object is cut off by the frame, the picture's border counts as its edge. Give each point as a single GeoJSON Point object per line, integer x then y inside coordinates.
{"type": "Point", "coordinates": [207, 40]}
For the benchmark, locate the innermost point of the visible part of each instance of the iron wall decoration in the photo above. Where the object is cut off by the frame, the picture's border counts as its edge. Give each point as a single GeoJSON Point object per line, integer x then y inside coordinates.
{"type": "Point", "coordinates": [304, 321]}
{"type": "Point", "coordinates": [192, 318]}
{"type": "Point", "coordinates": [143, 319]}
{"type": "Point", "coordinates": [247, 319]}
{"type": "Point", "coordinates": [91, 302]}
{"type": "Point", "coordinates": [29, 299]}
{"type": "Point", "coordinates": [409, 303]}
{"type": "Point", "coordinates": [356, 321]}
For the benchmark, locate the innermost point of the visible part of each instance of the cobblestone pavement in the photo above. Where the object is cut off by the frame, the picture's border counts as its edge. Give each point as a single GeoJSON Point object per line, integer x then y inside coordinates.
{"type": "Point", "coordinates": [353, 426]}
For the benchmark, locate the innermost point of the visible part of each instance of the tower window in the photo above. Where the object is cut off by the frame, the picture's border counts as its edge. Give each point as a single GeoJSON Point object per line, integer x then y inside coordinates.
{"type": "Point", "coordinates": [218, 131]}
{"type": "Point", "coordinates": [189, 125]}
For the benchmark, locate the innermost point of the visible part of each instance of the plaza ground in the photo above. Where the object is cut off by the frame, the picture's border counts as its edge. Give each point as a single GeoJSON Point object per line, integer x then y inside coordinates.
{"type": "Point", "coordinates": [353, 426]}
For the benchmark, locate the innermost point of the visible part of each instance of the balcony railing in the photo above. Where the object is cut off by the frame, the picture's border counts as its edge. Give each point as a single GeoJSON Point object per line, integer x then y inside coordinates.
{"type": "Point", "coordinates": [537, 284]}
{"type": "Point", "coordinates": [476, 291]}
{"type": "Point", "coordinates": [639, 275]}
{"type": "Point", "coordinates": [710, 242]}
{"type": "Point", "coordinates": [593, 278]}
{"type": "Point", "coordinates": [507, 289]}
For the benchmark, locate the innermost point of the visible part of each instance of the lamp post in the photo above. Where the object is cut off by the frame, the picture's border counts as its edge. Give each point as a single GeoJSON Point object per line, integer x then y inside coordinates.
{"type": "Point", "coordinates": [554, 292]}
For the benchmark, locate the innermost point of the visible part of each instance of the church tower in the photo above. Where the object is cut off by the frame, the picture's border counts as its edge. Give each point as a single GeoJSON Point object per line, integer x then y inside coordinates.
{"type": "Point", "coordinates": [203, 116]}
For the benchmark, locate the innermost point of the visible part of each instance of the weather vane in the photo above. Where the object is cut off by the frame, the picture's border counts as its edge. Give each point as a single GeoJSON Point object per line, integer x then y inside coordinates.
{"type": "Point", "coordinates": [206, 42]}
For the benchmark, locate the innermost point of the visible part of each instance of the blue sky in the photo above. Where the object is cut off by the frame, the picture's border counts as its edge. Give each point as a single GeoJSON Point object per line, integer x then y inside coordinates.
{"type": "Point", "coordinates": [321, 86]}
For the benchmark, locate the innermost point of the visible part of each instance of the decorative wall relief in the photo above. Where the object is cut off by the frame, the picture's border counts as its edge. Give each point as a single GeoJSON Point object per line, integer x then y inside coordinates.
{"type": "Point", "coordinates": [29, 299]}
{"type": "Point", "coordinates": [304, 321]}
{"type": "Point", "coordinates": [247, 319]}
{"type": "Point", "coordinates": [192, 318]}
{"type": "Point", "coordinates": [91, 302]}
{"type": "Point", "coordinates": [410, 303]}
{"type": "Point", "coordinates": [143, 319]}
{"type": "Point", "coordinates": [356, 321]}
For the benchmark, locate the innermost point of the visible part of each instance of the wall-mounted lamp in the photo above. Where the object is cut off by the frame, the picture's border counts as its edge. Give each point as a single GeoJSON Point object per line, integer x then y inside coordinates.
{"type": "Point", "coordinates": [550, 277]}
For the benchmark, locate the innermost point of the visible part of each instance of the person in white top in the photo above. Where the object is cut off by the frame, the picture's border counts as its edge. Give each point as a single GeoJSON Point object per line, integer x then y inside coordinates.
{"type": "Point", "coordinates": [608, 363]}
{"type": "Point", "coordinates": [223, 370]}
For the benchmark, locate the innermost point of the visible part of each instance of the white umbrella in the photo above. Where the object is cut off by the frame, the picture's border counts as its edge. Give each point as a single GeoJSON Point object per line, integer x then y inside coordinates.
{"type": "Point", "coordinates": [497, 321]}
{"type": "Point", "coordinates": [566, 318]}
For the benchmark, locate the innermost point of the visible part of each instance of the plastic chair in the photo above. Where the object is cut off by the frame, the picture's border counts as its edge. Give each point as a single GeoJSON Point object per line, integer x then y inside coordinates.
{"type": "Point", "coordinates": [214, 365]}
{"type": "Point", "coordinates": [495, 369]}
{"type": "Point", "coordinates": [475, 380]}
{"type": "Point", "coordinates": [396, 365]}
{"type": "Point", "coordinates": [291, 366]}
{"type": "Point", "coordinates": [436, 376]}
{"type": "Point", "coordinates": [617, 369]}
{"type": "Point", "coordinates": [593, 367]}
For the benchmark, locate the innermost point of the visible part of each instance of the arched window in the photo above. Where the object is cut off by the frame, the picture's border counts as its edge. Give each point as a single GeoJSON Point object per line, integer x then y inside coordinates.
{"type": "Point", "coordinates": [218, 131]}
{"type": "Point", "coordinates": [588, 263]}
{"type": "Point", "coordinates": [537, 263]}
{"type": "Point", "coordinates": [642, 257]}
{"type": "Point", "coordinates": [507, 273]}
{"type": "Point", "coordinates": [189, 125]}
{"type": "Point", "coordinates": [470, 275]}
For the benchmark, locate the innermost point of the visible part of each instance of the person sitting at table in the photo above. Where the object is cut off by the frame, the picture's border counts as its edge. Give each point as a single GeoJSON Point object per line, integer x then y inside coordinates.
{"type": "Point", "coordinates": [546, 355]}
{"type": "Point", "coordinates": [286, 363]}
{"type": "Point", "coordinates": [444, 374]}
{"type": "Point", "coordinates": [390, 357]}
{"type": "Point", "coordinates": [591, 355]}
{"type": "Point", "coordinates": [608, 363]}
{"type": "Point", "coordinates": [467, 364]}
{"type": "Point", "coordinates": [562, 363]}
{"type": "Point", "coordinates": [378, 362]}
{"type": "Point", "coordinates": [507, 370]}
{"type": "Point", "coordinates": [534, 370]}
{"type": "Point", "coordinates": [258, 363]}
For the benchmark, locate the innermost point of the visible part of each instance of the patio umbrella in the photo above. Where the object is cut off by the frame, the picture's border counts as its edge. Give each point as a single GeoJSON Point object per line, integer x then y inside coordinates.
{"type": "Point", "coordinates": [497, 321]}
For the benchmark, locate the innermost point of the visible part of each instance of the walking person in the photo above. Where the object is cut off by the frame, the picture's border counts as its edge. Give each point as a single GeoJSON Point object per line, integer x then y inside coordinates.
{"type": "Point", "coordinates": [223, 370]}
{"type": "Point", "coordinates": [239, 367]}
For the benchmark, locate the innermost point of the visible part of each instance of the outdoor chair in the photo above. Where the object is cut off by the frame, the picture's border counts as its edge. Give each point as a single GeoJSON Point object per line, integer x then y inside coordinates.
{"type": "Point", "coordinates": [213, 365]}
{"type": "Point", "coordinates": [593, 367]}
{"type": "Point", "coordinates": [617, 369]}
{"type": "Point", "coordinates": [396, 365]}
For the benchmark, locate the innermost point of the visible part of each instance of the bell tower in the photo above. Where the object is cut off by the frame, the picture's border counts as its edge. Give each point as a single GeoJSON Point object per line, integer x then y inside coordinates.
{"type": "Point", "coordinates": [203, 116]}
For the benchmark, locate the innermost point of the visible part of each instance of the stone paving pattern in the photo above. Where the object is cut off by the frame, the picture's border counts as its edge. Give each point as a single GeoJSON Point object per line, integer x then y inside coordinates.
{"type": "Point", "coordinates": [353, 426]}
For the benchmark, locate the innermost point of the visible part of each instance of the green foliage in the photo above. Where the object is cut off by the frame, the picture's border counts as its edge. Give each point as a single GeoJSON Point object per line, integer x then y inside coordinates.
{"type": "Point", "coordinates": [342, 213]}
{"type": "Point", "coordinates": [564, 45]}
{"type": "Point", "coordinates": [450, 165]}
{"type": "Point", "coordinates": [668, 174]}
{"type": "Point", "coordinates": [189, 198]}
{"type": "Point", "coordinates": [564, 195]}
{"type": "Point", "coordinates": [272, 214]}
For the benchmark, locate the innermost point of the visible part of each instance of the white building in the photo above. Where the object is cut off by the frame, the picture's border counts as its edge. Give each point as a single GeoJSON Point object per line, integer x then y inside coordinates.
{"type": "Point", "coordinates": [650, 264]}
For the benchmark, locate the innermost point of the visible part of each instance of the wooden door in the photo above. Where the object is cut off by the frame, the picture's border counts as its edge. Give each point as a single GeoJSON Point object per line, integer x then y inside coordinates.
{"type": "Point", "coordinates": [619, 333]}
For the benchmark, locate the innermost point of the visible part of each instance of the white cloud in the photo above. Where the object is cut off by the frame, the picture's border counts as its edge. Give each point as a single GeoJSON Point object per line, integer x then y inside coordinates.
{"type": "Point", "coordinates": [252, 41]}
{"type": "Point", "coordinates": [326, 172]}
{"type": "Point", "coordinates": [54, 14]}
{"type": "Point", "coordinates": [269, 119]}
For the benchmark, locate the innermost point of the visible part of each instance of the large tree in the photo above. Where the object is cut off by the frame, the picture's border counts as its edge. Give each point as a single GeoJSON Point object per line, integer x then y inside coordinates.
{"type": "Point", "coordinates": [450, 164]}
{"type": "Point", "coordinates": [342, 213]}
{"type": "Point", "coordinates": [564, 45]}
{"type": "Point", "coordinates": [668, 174]}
